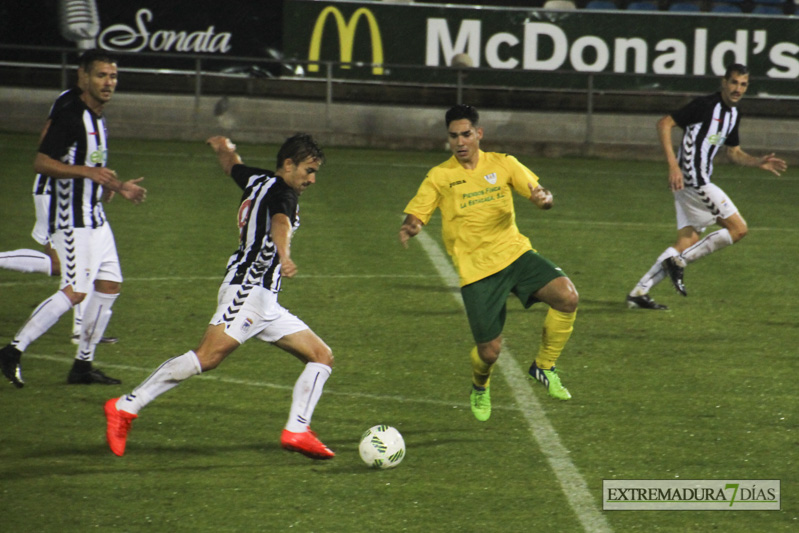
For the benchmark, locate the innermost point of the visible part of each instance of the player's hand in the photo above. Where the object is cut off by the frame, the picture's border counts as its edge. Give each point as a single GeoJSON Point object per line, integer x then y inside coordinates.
{"type": "Point", "coordinates": [408, 230]}
{"type": "Point", "coordinates": [132, 192]}
{"type": "Point", "coordinates": [108, 195]}
{"type": "Point", "coordinates": [220, 142]}
{"type": "Point", "coordinates": [288, 268]}
{"type": "Point", "coordinates": [541, 196]}
{"type": "Point", "coordinates": [773, 164]}
{"type": "Point", "coordinates": [675, 179]}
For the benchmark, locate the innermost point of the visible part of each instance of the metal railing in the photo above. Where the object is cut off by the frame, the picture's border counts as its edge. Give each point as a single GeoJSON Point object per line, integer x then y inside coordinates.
{"type": "Point", "coordinates": [205, 71]}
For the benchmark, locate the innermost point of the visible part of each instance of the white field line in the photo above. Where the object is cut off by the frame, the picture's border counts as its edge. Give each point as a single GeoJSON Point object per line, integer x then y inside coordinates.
{"type": "Point", "coordinates": [573, 485]}
{"type": "Point", "coordinates": [221, 378]}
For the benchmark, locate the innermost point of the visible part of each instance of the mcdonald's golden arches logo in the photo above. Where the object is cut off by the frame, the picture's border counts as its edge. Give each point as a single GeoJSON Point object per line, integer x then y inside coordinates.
{"type": "Point", "coordinates": [346, 37]}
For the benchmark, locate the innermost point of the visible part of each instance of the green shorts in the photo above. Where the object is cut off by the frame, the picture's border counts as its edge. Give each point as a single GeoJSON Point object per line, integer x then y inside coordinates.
{"type": "Point", "coordinates": [485, 299]}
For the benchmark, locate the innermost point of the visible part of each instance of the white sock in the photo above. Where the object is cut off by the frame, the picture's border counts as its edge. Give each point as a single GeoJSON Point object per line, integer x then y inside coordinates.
{"type": "Point", "coordinates": [97, 312]}
{"type": "Point", "coordinates": [42, 319]}
{"type": "Point", "coordinates": [711, 243]}
{"type": "Point", "coordinates": [77, 317]}
{"type": "Point", "coordinates": [166, 377]}
{"type": "Point", "coordinates": [654, 275]}
{"type": "Point", "coordinates": [26, 261]}
{"type": "Point", "coordinates": [307, 391]}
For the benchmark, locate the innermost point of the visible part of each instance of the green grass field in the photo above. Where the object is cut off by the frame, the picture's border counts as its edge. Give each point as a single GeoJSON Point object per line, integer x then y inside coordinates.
{"type": "Point", "coordinates": [704, 391]}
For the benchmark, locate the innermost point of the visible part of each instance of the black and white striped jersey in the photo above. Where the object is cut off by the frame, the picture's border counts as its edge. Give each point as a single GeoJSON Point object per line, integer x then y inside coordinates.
{"type": "Point", "coordinates": [708, 123]}
{"type": "Point", "coordinates": [256, 262]}
{"type": "Point", "coordinates": [41, 183]}
{"type": "Point", "coordinates": [77, 136]}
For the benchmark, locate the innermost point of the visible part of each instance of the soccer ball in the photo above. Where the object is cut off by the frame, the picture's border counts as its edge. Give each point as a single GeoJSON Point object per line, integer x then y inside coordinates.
{"type": "Point", "coordinates": [382, 447]}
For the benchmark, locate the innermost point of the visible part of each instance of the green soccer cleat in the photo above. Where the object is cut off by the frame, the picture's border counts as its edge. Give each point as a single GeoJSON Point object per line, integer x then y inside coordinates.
{"type": "Point", "coordinates": [481, 403]}
{"type": "Point", "coordinates": [551, 381]}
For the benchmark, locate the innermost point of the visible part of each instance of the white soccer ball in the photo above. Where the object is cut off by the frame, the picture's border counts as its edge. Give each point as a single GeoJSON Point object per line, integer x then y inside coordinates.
{"type": "Point", "coordinates": [382, 447]}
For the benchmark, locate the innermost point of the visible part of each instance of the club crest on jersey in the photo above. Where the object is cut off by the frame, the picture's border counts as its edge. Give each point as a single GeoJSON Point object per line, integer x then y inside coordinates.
{"type": "Point", "coordinates": [99, 156]}
{"type": "Point", "coordinates": [491, 178]}
{"type": "Point", "coordinates": [245, 326]}
{"type": "Point", "coordinates": [716, 140]}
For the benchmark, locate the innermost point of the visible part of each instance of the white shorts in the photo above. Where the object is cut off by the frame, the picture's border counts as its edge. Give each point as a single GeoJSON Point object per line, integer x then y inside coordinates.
{"type": "Point", "coordinates": [87, 255]}
{"type": "Point", "coordinates": [41, 229]}
{"type": "Point", "coordinates": [701, 207]}
{"type": "Point", "coordinates": [248, 311]}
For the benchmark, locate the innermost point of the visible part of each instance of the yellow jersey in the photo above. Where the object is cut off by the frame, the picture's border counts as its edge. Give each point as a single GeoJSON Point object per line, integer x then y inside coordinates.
{"type": "Point", "coordinates": [479, 222]}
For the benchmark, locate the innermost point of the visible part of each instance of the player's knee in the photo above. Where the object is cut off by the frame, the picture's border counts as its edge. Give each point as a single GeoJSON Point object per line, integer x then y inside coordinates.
{"type": "Point", "coordinates": [74, 297]}
{"type": "Point", "coordinates": [489, 351]}
{"type": "Point", "coordinates": [568, 299]}
{"type": "Point", "coordinates": [324, 355]}
{"type": "Point", "coordinates": [739, 233]}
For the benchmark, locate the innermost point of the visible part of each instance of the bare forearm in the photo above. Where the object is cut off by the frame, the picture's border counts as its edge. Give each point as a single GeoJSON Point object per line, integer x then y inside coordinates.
{"type": "Point", "coordinates": [664, 128]}
{"type": "Point", "coordinates": [48, 166]}
{"type": "Point", "coordinates": [226, 152]}
{"type": "Point", "coordinates": [281, 235]}
{"type": "Point", "coordinates": [739, 157]}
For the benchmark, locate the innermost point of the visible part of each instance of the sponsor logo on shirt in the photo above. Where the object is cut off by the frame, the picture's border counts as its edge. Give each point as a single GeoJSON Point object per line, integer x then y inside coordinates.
{"type": "Point", "coordinates": [459, 182]}
{"type": "Point", "coordinates": [716, 139]}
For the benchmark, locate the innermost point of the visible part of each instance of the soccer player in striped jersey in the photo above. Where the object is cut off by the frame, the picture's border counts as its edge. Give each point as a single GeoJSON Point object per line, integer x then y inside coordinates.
{"type": "Point", "coordinates": [708, 123]}
{"type": "Point", "coordinates": [247, 300]}
{"type": "Point", "coordinates": [474, 192]}
{"type": "Point", "coordinates": [74, 152]}
{"type": "Point", "coordinates": [47, 262]}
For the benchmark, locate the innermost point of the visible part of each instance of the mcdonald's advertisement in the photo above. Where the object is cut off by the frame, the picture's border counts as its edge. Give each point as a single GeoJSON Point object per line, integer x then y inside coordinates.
{"type": "Point", "coordinates": [536, 47]}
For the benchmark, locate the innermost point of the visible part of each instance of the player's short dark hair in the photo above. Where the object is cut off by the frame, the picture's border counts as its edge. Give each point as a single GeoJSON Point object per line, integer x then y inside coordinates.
{"type": "Point", "coordinates": [298, 148]}
{"type": "Point", "coordinates": [736, 67]}
{"type": "Point", "coordinates": [460, 112]}
{"type": "Point", "coordinates": [94, 55]}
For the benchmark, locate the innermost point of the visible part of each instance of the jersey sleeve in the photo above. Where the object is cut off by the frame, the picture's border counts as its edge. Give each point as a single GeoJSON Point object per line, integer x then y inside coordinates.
{"type": "Point", "coordinates": [426, 200]}
{"type": "Point", "coordinates": [521, 177]}
{"type": "Point", "coordinates": [689, 114]}
{"type": "Point", "coordinates": [241, 174]}
{"type": "Point", "coordinates": [61, 133]}
{"type": "Point", "coordinates": [282, 199]}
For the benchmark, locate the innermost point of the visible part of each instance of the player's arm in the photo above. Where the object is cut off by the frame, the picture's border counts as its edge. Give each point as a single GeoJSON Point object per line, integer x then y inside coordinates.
{"type": "Point", "coordinates": [664, 126]}
{"type": "Point", "coordinates": [225, 151]}
{"type": "Point", "coordinates": [411, 227]}
{"type": "Point", "coordinates": [281, 235]}
{"type": "Point", "coordinates": [130, 190]}
{"type": "Point", "coordinates": [769, 162]}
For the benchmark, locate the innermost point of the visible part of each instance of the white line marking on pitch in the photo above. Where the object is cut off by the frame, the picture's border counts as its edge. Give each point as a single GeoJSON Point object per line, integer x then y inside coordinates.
{"type": "Point", "coordinates": [572, 483]}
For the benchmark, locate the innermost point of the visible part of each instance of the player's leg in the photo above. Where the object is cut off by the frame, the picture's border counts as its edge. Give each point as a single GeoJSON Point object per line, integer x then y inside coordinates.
{"type": "Point", "coordinates": [33, 261]}
{"type": "Point", "coordinates": [27, 261]}
{"type": "Point", "coordinates": [42, 319]}
{"type": "Point", "coordinates": [540, 280]}
{"type": "Point", "coordinates": [563, 299]}
{"type": "Point", "coordinates": [46, 314]}
{"type": "Point", "coordinates": [120, 412]}
{"type": "Point", "coordinates": [484, 302]}
{"type": "Point", "coordinates": [733, 229]}
{"type": "Point", "coordinates": [318, 358]}
{"type": "Point", "coordinates": [96, 256]}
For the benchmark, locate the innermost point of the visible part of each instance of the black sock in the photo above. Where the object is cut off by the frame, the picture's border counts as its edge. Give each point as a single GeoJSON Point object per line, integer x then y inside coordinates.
{"type": "Point", "coordinates": [81, 367]}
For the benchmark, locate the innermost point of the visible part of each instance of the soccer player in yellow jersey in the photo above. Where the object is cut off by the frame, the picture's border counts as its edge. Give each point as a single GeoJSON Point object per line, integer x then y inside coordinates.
{"type": "Point", "coordinates": [473, 189]}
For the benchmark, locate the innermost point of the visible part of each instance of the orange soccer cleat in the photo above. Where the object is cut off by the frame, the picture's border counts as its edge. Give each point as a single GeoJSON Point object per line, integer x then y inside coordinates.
{"type": "Point", "coordinates": [305, 443]}
{"type": "Point", "coordinates": [117, 427]}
